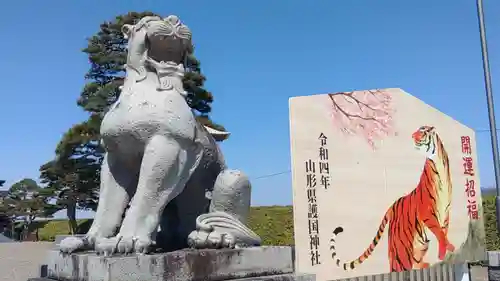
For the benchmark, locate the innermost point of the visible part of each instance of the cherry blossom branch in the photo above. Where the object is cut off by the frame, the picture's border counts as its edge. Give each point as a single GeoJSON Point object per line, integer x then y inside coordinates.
{"type": "Point", "coordinates": [365, 113]}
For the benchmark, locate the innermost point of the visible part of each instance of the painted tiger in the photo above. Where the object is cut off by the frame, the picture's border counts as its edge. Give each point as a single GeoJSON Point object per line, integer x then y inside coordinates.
{"type": "Point", "coordinates": [410, 217]}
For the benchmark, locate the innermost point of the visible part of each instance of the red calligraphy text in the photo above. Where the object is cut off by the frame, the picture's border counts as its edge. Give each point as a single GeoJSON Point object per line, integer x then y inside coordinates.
{"type": "Point", "coordinates": [466, 147]}
{"type": "Point", "coordinates": [468, 166]}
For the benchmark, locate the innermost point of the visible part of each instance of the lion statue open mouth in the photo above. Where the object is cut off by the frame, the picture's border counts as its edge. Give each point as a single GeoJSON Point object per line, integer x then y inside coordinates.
{"type": "Point", "coordinates": [160, 162]}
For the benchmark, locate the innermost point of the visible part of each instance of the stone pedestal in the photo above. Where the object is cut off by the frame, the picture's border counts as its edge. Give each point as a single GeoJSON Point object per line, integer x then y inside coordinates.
{"type": "Point", "coordinates": [257, 263]}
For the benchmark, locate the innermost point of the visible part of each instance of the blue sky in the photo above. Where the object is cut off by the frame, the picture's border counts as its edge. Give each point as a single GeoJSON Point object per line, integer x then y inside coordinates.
{"type": "Point", "coordinates": [255, 54]}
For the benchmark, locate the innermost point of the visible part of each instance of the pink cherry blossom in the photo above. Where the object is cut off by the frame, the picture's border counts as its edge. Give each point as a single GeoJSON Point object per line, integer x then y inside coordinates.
{"type": "Point", "coordinates": [364, 113]}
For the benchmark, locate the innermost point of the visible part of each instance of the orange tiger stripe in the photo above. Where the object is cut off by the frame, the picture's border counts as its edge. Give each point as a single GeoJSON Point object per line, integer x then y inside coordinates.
{"type": "Point", "coordinates": [410, 215]}
{"type": "Point", "coordinates": [352, 264]}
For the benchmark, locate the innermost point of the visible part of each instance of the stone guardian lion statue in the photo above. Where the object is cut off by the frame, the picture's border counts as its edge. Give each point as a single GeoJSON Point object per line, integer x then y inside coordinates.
{"type": "Point", "coordinates": [160, 162]}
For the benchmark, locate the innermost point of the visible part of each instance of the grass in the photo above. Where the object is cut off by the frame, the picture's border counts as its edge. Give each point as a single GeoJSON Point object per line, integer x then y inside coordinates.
{"type": "Point", "coordinates": [275, 225]}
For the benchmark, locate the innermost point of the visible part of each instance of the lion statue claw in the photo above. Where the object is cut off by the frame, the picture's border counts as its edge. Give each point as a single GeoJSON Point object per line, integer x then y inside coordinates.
{"type": "Point", "coordinates": [160, 162]}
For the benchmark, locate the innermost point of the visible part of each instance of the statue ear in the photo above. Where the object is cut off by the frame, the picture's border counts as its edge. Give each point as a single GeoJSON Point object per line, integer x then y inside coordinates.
{"type": "Point", "coordinates": [127, 30]}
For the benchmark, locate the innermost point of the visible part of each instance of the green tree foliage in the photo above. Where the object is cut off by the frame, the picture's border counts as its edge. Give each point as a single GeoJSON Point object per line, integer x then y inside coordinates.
{"type": "Point", "coordinates": [73, 176]}
{"type": "Point", "coordinates": [5, 212]}
{"type": "Point", "coordinates": [29, 199]}
{"type": "Point", "coordinates": [3, 216]}
{"type": "Point", "coordinates": [26, 201]}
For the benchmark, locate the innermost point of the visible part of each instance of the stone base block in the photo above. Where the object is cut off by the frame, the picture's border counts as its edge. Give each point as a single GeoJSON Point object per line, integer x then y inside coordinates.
{"type": "Point", "coordinates": [257, 263]}
{"type": "Point", "coordinates": [281, 277]}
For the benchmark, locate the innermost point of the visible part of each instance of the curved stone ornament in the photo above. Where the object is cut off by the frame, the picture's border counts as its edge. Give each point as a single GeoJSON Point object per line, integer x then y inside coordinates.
{"type": "Point", "coordinates": [169, 75]}
{"type": "Point", "coordinates": [169, 26]}
{"type": "Point", "coordinates": [221, 230]}
{"type": "Point", "coordinates": [141, 71]}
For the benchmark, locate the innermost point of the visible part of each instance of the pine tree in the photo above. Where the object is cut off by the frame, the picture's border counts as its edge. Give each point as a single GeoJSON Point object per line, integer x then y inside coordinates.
{"type": "Point", "coordinates": [73, 177]}
{"type": "Point", "coordinates": [26, 201]}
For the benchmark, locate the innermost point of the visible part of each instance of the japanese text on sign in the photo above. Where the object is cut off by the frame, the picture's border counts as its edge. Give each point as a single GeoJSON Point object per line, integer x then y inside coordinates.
{"type": "Point", "coordinates": [317, 173]}
{"type": "Point", "coordinates": [324, 169]}
{"type": "Point", "coordinates": [470, 185]}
